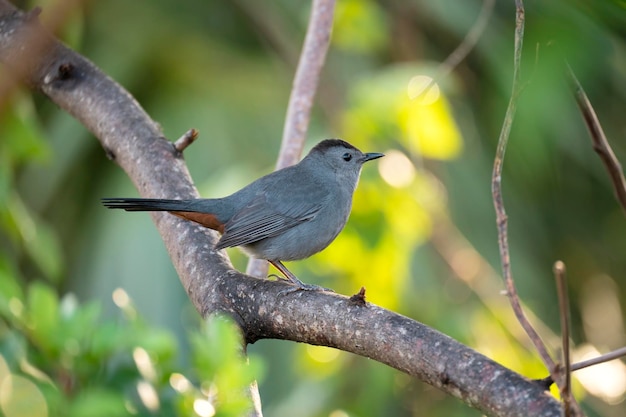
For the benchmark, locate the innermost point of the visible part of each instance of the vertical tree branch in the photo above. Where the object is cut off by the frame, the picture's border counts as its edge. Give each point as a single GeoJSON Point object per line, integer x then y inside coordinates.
{"type": "Point", "coordinates": [305, 83]}
{"type": "Point", "coordinates": [570, 406]}
{"type": "Point", "coordinates": [496, 189]}
{"type": "Point", "coordinates": [561, 286]}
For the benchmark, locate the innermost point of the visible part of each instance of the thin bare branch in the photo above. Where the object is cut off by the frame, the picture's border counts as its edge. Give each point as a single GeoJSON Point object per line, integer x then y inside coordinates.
{"type": "Point", "coordinates": [570, 406]}
{"type": "Point", "coordinates": [478, 274]}
{"type": "Point", "coordinates": [266, 20]}
{"type": "Point", "coordinates": [470, 41]}
{"type": "Point", "coordinates": [465, 47]}
{"type": "Point", "coordinates": [305, 82]}
{"type": "Point", "coordinates": [607, 357]}
{"type": "Point", "coordinates": [561, 287]}
{"type": "Point", "coordinates": [303, 91]}
{"type": "Point", "coordinates": [600, 142]}
{"type": "Point", "coordinates": [496, 190]}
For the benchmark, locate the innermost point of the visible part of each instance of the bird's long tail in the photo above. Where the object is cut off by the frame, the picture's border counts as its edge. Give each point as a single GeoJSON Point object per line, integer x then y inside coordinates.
{"type": "Point", "coordinates": [148, 204]}
{"type": "Point", "coordinates": [198, 210]}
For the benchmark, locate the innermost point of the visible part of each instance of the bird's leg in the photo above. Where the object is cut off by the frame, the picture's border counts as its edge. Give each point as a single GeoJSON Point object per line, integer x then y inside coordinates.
{"type": "Point", "coordinates": [293, 280]}
{"type": "Point", "coordinates": [289, 276]}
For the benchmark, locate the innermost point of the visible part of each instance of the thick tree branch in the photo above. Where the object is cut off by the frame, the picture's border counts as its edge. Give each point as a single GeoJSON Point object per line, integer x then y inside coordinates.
{"type": "Point", "coordinates": [346, 323]}
{"type": "Point", "coordinates": [157, 169]}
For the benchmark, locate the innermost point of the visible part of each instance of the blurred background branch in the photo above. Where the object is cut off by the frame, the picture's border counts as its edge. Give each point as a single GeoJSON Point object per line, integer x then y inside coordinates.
{"type": "Point", "coordinates": [498, 201]}
{"type": "Point", "coordinates": [600, 143]}
{"type": "Point", "coordinates": [302, 95]}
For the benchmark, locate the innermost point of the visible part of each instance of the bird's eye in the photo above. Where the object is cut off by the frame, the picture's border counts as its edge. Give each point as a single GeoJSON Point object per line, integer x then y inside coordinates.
{"type": "Point", "coordinates": [347, 156]}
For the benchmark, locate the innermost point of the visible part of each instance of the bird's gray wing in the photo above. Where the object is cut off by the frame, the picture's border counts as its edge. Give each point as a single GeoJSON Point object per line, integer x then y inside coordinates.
{"type": "Point", "coordinates": [263, 218]}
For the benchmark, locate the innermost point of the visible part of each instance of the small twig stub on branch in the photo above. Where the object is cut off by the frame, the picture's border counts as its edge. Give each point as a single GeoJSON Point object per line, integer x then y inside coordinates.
{"type": "Point", "coordinates": [359, 298]}
{"type": "Point", "coordinates": [185, 140]}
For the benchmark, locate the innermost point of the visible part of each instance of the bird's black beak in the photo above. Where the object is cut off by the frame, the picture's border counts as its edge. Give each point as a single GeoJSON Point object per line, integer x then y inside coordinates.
{"type": "Point", "coordinates": [372, 155]}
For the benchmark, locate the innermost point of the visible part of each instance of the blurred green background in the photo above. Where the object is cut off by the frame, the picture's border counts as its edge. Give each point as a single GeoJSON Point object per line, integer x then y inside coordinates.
{"type": "Point", "coordinates": [94, 319]}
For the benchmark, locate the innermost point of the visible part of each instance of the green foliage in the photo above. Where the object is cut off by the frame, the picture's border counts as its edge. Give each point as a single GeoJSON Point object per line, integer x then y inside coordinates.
{"type": "Point", "coordinates": [62, 358]}
{"type": "Point", "coordinates": [360, 26]}
{"type": "Point", "coordinates": [25, 144]}
{"type": "Point", "coordinates": [219, 362]}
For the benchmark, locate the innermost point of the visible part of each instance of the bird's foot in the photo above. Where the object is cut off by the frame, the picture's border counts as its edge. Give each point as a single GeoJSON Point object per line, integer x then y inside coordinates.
{"type": "Point", "coordinates": [292, 280]}
{"type": "Point", "coordinates": [297, 285]}
{"type": "Point", "coordinates": [302, 287]}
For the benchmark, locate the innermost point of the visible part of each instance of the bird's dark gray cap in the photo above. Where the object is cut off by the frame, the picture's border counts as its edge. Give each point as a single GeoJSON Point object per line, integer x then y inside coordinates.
{"type": "Point", "coordinates": [331, 143]}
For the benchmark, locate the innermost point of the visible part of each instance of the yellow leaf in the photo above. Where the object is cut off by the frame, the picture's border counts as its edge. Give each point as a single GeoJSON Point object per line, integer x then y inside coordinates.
{"type": "Point", "coordinates": [429, 129]}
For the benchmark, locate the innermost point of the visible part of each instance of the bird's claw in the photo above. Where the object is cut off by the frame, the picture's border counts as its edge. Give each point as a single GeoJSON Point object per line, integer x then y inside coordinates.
{"type": "Point", "coordinates": [293, 287]}
{"type": "Point", "coordinates": [294, 283]}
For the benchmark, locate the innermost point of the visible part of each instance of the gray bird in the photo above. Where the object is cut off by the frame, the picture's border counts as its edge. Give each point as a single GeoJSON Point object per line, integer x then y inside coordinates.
{"type": "Point", "coordinates": [287, 215]}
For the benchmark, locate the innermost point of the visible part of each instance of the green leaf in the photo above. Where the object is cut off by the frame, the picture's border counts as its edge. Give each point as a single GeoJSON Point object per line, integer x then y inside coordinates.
{"type": "Point", "coordinates": [98, 402]}
{"type": "Point", "coordinates": [11, 294]}
{"type": "Point", "coordinates": [81, 322]}
{"type": "Point", "coordinates": [158, 342]}
{"type": "Point", "coordinates": [23, 140]}
{"type": "Point", "coordinates": [6, 178]}
{"type": "Point", "coordinates": [45, 250]}
{"type": "Point", "coordinates": [109, 338]}
{"type": "Point", "coordinates": [38, 239]}
{"type": "Point", "coordinates": [219, 362]}
{"type": "Point", "coordinates": [218, 345]}
{"type": "Point", "coordinates": [360, 26]}
{"type": "Point", "coordinates": [43, 313]}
